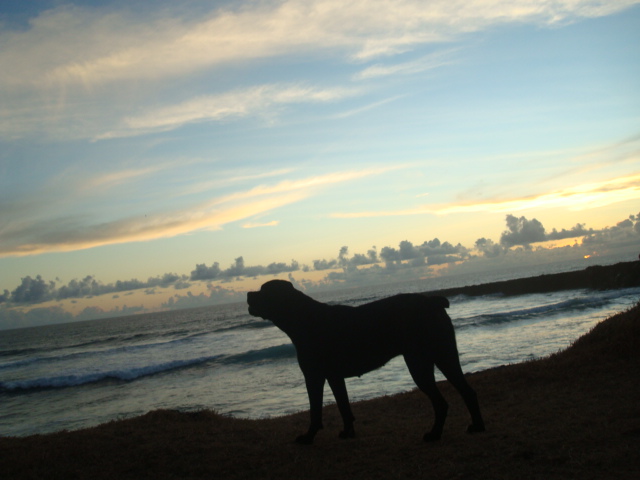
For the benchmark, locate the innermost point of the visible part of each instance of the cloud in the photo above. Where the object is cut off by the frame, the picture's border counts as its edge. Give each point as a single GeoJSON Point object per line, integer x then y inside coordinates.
{"type": "Point", "coordinates": [346, 262]}
{"type": "Point", "coordinates": [82, 72]}
{"type": "Point", "coordinates": [37, 290]}
{"type": "Point", "coordinates": [273, 223]}
{"type": "Point", "coordinates": [216, 294]}
{"type": "Point", "coordinates": [239, 269]}
{"type": "Point", "coordinates": [92, 46]}
{"type": "Point", "coordinates": [74, 233]}
{"type": "Point", "coordinates": [230, 178]}
{"type": "Point", "coordinates": [624, 234]}
{"type": "Point", "coordinates": [431, 252]}
{"type": "Point", "coordinates": [235, 104]}
{"type": "Point", "coordinates": [407, 255]}
{"type": "Point", "coordinates": [368, 107]}
{"type": "Point", "coordinates": [521, 231]}
{"type": "Point", "coordinates": [580, 197]}
{"type": "Point", "coordinates": [406, 261]}
{"type": "Point", "coordinates": [33, 235]}
{"type": "Point", "coordinates": [428, 62]}
{"type": "Point", "coordinates": [119, 177]}
{"type": "Point", "coordinates": [489, 248]}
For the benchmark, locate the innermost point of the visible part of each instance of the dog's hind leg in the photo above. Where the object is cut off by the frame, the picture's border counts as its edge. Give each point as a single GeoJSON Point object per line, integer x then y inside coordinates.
{"type": "Point", "coordinates": [315, 387]}
{"type": "Point", "coordinates": [422, 373]}
{"type": "Point", "coordinates": [342, 399]}
{"type": "Point", "coordinates": [450, 367]}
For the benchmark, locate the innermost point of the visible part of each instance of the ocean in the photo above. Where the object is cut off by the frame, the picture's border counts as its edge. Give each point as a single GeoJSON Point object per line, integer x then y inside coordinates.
{"type": "Point", "coordinates": [77, 375]}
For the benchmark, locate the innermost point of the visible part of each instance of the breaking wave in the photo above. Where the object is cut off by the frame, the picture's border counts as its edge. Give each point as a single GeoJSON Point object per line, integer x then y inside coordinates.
{"type": "Point", "coordinates": [267, 354]}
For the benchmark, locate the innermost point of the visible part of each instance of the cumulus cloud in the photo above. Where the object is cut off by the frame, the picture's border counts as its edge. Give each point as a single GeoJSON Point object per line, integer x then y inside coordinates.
{"type": "Point", "coordinates": [215, 294]}
{"type": "Point", "coordinates": [33, 290]}
{"type": "Point", "coordinates": [624, 234]}
{"type": "Point", "coordinates": [432, 252]}
{"type": "Point", "coordinates": [239, 269]}
{"type": "Point", "coordinates": [344, 261]}
{"type": "Point", "coordinates": [521, 231]}
{"type": "Point", "coordinates": [488, 248]}
{"type": "Point", "coordinates": [359, 268]}
{"type": "Point", "coordinates": [37, 290]}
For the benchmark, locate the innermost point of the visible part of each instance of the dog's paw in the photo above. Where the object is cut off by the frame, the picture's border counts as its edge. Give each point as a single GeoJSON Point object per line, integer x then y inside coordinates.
{"type": "Point", "coordinates": [473, 428]}
{"type": "Point", "coordinates": [347, 433]}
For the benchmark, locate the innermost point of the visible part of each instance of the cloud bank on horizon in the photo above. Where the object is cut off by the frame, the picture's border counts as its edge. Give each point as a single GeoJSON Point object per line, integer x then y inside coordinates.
{"type": "Point", "coordinates": [521, 233]}
{"type": "Point", "coordinates": [521, 245]}
{"type": "Point", "coordinates": [238, 127]}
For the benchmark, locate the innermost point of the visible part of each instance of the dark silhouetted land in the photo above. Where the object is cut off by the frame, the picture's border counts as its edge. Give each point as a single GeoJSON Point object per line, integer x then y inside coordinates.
{"type": "Point", "coordinates": [573, 415]}
{"type": "Point", "coordinates": [597, 277]}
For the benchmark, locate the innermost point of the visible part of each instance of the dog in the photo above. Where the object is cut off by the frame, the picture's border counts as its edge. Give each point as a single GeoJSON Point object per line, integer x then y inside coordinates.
{"type": "Point", "coordinates": [334, 342]}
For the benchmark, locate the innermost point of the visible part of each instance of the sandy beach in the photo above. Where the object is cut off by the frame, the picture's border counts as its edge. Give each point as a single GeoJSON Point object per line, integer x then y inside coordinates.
{"type": "Point", "coordinates": [575, 414]}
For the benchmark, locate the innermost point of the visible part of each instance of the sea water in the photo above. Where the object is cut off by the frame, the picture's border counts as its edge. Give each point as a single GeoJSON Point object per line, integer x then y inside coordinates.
{"type": "Point", "coordinates": [71, 376]}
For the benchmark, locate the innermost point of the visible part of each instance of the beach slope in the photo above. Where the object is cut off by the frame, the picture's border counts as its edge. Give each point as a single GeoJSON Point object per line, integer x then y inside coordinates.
{"type": "Point", "coordinates": [575, 414]}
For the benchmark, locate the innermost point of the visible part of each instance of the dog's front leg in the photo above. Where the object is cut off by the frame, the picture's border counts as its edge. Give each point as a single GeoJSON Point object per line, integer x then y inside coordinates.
{"type": "Point", "coordinates": [315, 390]}
{"type": "Point", "coordinates": [342, 399]}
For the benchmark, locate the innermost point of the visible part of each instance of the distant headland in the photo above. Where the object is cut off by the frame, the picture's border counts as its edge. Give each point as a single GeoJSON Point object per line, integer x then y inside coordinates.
{"type": "Point", "coordinates": [597, 277]}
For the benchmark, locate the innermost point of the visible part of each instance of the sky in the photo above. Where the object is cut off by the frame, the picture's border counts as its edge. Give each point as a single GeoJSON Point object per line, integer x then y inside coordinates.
{"type": "Point", "coordinates": [173, 143]}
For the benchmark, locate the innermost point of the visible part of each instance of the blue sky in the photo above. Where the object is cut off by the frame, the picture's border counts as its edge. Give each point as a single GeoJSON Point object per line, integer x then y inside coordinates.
{"type": "Point", "coordinates": [140, 138]}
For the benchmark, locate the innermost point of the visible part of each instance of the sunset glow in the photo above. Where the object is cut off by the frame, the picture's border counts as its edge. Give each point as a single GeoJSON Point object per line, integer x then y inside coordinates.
{"type": "Point", "coordinates": [198, 146]}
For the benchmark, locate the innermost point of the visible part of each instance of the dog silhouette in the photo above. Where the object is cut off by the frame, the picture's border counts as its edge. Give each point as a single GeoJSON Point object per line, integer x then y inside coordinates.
{"type": "Point", "coordinates": [334, 342]}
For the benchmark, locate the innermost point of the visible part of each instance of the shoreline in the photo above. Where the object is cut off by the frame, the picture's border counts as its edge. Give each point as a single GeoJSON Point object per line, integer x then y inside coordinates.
{"type": "Point", "coordinates": [572, 414]}
{"type": "Point", "coordinates": [595, 277]}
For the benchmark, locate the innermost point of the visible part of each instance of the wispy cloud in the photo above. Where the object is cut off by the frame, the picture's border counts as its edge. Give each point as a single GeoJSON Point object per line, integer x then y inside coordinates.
{"type": "Point", "coordinates": [308, 184]}
{"type": "Point", "coordinates": [124, 176]}
{"type": "Point", "coordinates": [77, 72]}
{"type": "Point", "coordinates": [34, 235]}
{"type": "Point", "coordinates": [135, 229]}
{"type": "Point", "coordinates": [260, 225]}
{"type": "Point", "coordinates": [230, 178]}
{"type": "Point", "coordinates": [73, 45]}
{"type": "Point", "coordinates": [239, 103]}
{"type": "Point", "coordinates": [580, 197]}
{"type": "Point", "coordinates": [428, 62]}
{"type": "Point", "coordinates": [366, 108]}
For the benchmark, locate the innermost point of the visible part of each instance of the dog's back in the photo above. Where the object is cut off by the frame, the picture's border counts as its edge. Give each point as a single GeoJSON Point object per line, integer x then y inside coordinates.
{"type": "Point", "coordinates": [351, 341]}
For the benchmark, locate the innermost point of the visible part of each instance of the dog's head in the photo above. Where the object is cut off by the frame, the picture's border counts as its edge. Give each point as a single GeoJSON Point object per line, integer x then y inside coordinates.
{"type": "Point", "coordinates": [276, 301]}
